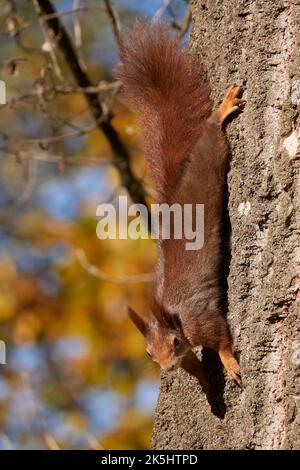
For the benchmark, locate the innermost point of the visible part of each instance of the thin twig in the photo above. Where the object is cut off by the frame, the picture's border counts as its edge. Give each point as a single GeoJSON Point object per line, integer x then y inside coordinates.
{"type": "Point", "coordinates": [96, 272]}
{"type": "Point", "coordinates": [114, 20]}
{"type": "Point", "coordinates": [49, 441]}
{"type": "Point", "coordinates": [49, 47]}
{"type": "Point", "coordinates": [58, 138]}
{"type": "Point", "coordinates": [78, 35]}
{"type": "Point", "coordinates": [15, 25]}
{"type": "Point", "coordinates": [74, 11]}
{"type": "Point", "coordinates": [161, 11]}
{"type": "Point", "coordinates": [61, 160]}
{"type": "Point", "coordinates": [94, 443]}
{"type": "Point", "coordinates": [29, 186]}
{"type": "Point", "coordinates": [102, 87]}
{"type": "Point", "coordinates": [186, 23]}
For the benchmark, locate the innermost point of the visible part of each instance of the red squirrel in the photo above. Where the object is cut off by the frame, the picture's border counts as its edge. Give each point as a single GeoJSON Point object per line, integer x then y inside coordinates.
{"type": "Point", "coordinates": [186, 151]}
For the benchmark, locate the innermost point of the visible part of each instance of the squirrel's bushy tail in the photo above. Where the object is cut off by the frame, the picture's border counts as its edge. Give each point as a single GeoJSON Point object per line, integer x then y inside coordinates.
{"type": "Point", "coordinates": [164, 85]}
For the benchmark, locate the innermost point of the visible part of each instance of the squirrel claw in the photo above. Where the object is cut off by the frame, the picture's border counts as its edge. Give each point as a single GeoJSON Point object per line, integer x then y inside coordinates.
{"type": "Point", "coordinates": [236, 378]}
{"type": "Point", "coordinates": [234, 371]}
{"type": "Point", "coordinates": [231, 102]}
{"type": "Point", "coordinates": [208, 405]}
{"type": "Point", "coordinates": [231, 364]}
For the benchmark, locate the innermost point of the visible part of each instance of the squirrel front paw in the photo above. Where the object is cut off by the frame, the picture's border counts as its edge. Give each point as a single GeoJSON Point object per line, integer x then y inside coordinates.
{"type": "Point", "coordinates": [233, 370]}
{"type": "Point", "coordinates": [231, 364]}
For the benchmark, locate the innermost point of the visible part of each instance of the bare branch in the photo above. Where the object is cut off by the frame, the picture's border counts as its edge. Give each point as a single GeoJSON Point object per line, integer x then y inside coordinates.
{"type": "Point", "coordinates": [64, 44]}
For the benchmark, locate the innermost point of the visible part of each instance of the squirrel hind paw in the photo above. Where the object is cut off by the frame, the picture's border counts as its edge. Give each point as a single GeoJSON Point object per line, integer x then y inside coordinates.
{"type": "Point", "coordinates": [231, 102]}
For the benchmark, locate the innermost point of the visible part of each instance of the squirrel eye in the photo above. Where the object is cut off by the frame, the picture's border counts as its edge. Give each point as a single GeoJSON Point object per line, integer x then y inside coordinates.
{"type": "Point", "coordinates": [176, 342]}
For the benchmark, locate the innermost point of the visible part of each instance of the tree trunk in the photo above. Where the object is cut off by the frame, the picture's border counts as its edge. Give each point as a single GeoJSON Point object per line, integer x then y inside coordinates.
{"type": "Point", "coordinates": [256, 44]}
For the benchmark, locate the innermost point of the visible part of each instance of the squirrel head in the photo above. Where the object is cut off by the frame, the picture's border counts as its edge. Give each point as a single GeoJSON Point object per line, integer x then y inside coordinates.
{"type": "Point", "coordinates": [165, 342]}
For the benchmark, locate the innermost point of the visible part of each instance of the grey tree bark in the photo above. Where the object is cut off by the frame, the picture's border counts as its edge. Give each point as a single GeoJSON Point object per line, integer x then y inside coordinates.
{"type": "Point", "coordinates": [256, 44]}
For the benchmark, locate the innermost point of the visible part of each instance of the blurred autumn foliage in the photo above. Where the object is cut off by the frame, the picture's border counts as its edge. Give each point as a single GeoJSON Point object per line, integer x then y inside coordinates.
{"type": "Point", "coordinates": [76, 374]}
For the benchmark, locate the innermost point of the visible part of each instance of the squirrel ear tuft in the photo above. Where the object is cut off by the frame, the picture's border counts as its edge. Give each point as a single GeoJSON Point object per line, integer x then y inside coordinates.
{"type": "Point", "coordinates": [139, 322]}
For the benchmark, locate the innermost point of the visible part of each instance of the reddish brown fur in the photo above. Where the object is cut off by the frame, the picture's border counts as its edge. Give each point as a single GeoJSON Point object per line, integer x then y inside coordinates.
{"type": "Point", "coordinates": [187, 154]}
{"type": "Point", "coordinates": [166, 88]}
